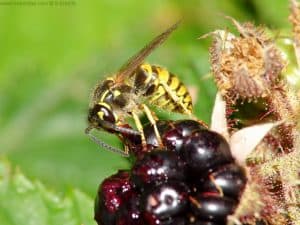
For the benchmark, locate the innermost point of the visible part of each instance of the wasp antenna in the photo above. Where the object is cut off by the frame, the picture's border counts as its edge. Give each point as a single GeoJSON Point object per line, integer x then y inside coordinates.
{"type": "Point", "coordinates": [104, 145]}
{"type": "Point", "coordinates": [122, 130]}
{"type": "Point", "coordinates": [88, 130]}
{"type": "Point", "coordinates": [127, 130]}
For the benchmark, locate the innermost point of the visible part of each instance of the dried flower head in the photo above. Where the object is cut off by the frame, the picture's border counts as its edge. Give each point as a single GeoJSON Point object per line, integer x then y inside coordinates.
{"type": "Point", "coordinates": [245, 66]}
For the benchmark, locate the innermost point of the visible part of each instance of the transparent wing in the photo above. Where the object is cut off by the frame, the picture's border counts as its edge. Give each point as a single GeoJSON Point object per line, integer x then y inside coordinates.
{"type": "Point", "coordinates": [136, 60]}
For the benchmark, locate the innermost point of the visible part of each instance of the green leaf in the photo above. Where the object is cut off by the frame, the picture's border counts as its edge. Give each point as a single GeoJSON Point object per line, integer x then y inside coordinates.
{"type": "Point", "coordinates": [27, 202]}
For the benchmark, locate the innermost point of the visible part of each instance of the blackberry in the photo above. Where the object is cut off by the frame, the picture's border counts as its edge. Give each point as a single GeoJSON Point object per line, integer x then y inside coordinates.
{"type": "Point", "coordinates": [163, 201]}
{"type": "Point", "coordinates": [130, 213]}
{"type": "Point", "coordinates": [205, 150]}
{"type": "Point", "coordinates": [163, 126]}
{"type": "Point", "coordinates": [212, 207]}
{"type": "Point", "coordinates": [173, 138]}
{"type": "Point", "coordinates": [157, 167]}
{"type": "Point", "coordinates": [112, 193]}
{"type": "Point", "coordinates": [193, 180]}
{"type": "Point", "coordinates": [230, 178]}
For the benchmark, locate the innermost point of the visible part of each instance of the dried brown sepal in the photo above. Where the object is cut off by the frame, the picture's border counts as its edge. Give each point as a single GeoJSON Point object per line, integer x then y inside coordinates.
{"type": "Point", "coordinates": [246, 66]}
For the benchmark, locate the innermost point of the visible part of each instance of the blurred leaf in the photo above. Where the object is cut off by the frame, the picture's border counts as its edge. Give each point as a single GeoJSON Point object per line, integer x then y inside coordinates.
{"type": "Point", "coordinates": [274, 14]}
{"type": "Point", "coordinates": [23, 201]}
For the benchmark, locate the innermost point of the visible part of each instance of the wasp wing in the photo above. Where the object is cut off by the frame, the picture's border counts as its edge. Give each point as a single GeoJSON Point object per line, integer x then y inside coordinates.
{"type": "Point", "coordinates": [128, 68]}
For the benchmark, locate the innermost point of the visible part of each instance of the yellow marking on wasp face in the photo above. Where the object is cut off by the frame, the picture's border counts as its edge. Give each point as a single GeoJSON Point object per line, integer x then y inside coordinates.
{"type": "Point", "coordinates": [116, 93]}
{"type": "Point", "coordinates": [163, 75]}
{"type": "Point", "coordinates": [174, 83]}
{"type": "Point", "coordinates": [182, 90]}
{"type": "Point", "coordinates": [103, 96]}
{"type": "Point", "coordinates": [100, 114]}
{"type": "Point", "coordinates": [105, 105]}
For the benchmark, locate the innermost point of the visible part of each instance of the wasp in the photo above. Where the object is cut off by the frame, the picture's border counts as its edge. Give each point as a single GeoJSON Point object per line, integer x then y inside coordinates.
{"type": "Point", "coordinates": [129, 92]}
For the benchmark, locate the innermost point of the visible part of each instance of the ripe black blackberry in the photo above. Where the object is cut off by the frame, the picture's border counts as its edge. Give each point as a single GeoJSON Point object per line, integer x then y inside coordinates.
{"type": "Point", "coordinates": [157, 167]}
{"type": "Point", "coordinates": [205, 150]}
{"type": "Point", "coordinates": [160, 203]}
{"type": "Point", "coordinates": [194, 180]}
{"type": "Point", "coordinates": [212, 207]}
{"type": "Point", "coordinates": [129, 212]}
{"type": "Point", "coordinates": [230, 178]}
{"type": "Point", "coordinates": [112, 194]}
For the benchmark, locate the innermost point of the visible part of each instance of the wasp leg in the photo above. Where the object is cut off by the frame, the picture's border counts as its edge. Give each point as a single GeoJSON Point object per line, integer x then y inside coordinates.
{"type": "Point", "coordinates": [140, 128]}
{"type": "Point", "coordinates": [152, 120]}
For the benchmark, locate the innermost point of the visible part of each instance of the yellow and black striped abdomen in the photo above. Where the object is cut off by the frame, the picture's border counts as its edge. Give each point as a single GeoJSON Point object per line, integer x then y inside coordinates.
{"type": "Point", "coordinates": [164, 89]}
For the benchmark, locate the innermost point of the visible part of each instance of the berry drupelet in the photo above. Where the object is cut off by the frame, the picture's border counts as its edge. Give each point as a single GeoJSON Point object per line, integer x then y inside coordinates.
{"type": "Point", "coordinates": [112, 194]}
{"type": "Point", "coordinates": [157, 167]}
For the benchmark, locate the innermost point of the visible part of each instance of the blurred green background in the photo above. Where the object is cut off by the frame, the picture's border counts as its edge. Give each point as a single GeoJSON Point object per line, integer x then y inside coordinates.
{"type": "Point", "coordinates": [52, 56]}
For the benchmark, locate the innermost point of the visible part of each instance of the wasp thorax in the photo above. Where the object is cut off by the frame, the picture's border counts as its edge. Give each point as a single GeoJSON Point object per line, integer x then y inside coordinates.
{"type": "Point", "coordinates": [100, 115]}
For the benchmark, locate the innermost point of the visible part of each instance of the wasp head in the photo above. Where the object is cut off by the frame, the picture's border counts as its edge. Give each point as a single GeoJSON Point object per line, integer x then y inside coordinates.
{"type": "Point", "coordinates": [101, 116]}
